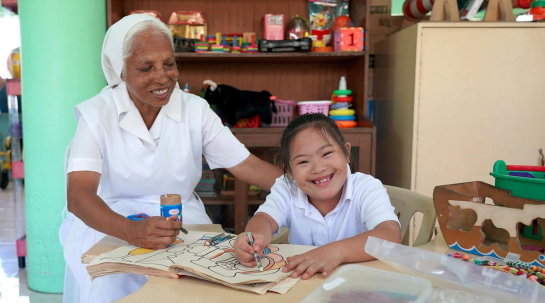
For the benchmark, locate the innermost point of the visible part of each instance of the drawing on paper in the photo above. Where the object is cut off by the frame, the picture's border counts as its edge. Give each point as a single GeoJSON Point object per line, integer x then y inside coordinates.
{"type": "Point", "coordinates": [216, 259]}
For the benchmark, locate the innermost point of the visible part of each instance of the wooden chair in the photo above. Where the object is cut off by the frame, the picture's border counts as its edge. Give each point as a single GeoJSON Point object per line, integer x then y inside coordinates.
{"type": "Point", "coordinates": [406, 204]}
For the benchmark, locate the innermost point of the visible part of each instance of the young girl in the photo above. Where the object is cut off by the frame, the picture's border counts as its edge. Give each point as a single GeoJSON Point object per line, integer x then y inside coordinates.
{"type": "Point", "coordinates": [321, 202]}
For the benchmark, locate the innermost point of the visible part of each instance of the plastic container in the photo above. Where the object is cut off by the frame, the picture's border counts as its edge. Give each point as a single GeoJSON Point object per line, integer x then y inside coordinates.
{"type": "Point", "coordinates": [284, 113]}
{"type": "Point", "coordinates": [447, 272]}
{"type": "Point", "coordinates": [357, 283]}
{"type": "Point", "coordinates": [511, 177]}
{"type": "Point", "coordinates": [306, 107]}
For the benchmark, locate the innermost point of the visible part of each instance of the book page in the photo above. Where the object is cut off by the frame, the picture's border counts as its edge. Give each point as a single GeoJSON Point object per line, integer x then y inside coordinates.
{"type": "Point", "coordinates": [192, 253]}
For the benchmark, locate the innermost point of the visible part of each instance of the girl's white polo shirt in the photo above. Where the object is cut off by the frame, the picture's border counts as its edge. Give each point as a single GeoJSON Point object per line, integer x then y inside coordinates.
{"type": "Point", "coordinates": [363, 205]}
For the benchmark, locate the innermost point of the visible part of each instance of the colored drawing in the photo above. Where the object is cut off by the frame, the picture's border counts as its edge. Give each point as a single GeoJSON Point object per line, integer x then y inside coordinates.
{"type": "Point", "coordinates": [192, 253]}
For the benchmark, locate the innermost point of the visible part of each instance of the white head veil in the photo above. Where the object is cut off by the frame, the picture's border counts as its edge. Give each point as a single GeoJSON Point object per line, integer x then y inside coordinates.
{"type": "Point", "coordinates": [112, 49]}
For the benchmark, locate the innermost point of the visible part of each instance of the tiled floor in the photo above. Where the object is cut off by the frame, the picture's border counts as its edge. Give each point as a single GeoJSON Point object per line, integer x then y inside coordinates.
{"type": "Point", "coordinates": [13, 280]}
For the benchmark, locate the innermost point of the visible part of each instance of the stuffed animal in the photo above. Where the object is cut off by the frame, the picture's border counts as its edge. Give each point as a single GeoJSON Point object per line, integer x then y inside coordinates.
{"type": "Point", "coordinates": [233, 104]}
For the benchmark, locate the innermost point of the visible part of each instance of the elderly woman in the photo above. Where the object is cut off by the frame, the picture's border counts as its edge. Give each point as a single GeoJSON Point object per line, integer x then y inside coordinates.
{"type": "Point", "coordinates": [139, 138]}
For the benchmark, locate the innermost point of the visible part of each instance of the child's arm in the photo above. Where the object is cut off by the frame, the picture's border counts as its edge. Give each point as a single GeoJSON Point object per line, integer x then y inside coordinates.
{"type": "Point", "coordinates": [328, 257]}
{"type": "Point", "coordinates": [262, 227]}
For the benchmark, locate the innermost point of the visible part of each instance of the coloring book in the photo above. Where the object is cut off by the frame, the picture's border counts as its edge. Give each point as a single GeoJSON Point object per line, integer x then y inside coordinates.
{"type": "Point", "coordinates": [192, 255]}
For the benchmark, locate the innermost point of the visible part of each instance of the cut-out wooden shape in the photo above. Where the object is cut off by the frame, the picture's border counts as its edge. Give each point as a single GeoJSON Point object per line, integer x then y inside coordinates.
{"type": "Point", "coordinates": [499, 10]}
{"type": "Point", "coordinates": [494, 235]}
{"type": "Point", "coordinates": [462, 219]}
{"type": "Point", "coordinates": [445, 10]}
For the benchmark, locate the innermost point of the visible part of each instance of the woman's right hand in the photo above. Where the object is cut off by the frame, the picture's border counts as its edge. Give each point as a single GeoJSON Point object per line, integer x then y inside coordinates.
{"type": "Point", "coordinates": [244, 252]}
{"type": "Point", "coordinates": [154, 232]}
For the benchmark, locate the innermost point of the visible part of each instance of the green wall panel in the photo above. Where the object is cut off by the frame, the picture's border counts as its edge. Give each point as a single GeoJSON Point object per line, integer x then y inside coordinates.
{"type": "Point", "coordinates": [61, 42]}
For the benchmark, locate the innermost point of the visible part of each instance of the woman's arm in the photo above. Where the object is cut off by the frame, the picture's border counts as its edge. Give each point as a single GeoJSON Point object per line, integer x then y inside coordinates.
{"type": "Point", "coordinates": [84, 203]}
{"type": "Point", "coordinates": [257, 172]}
{"type": "Point", "coordinates": [328, 257]}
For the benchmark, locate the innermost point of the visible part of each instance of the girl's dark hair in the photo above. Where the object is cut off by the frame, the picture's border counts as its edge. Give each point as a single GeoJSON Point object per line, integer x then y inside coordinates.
{"type": "Point", "coordinates": [323, 124]}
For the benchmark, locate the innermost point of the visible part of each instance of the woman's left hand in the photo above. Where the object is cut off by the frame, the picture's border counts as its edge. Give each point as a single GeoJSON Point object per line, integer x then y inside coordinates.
{"type": "Point", "coordinates": [323, 259]}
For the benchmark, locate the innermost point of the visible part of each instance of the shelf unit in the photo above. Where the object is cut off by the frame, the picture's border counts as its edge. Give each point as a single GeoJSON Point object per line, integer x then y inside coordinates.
{"type": "Point", "coordinates": [14, 89]}
{"type": "Point", "coordinates": [294, 76]}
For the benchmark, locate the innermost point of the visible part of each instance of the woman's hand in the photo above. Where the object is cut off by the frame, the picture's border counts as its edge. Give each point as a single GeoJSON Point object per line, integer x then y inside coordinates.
{"type": "Point", "coordinates": [154, 232]}
{"type": "Point", "coordinates": [244, 252]}
{"type": "Point", "coordinates": [323, 259]}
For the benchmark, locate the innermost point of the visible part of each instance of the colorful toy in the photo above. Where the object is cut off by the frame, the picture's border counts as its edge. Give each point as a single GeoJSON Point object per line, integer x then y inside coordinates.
{"type": "Point", "coordinates": [187, 24]}
{"type": "Point", "coordinates": [342, 21]}
{"type": "Point", "coordinates": [349, 39]}
{"type": "Point", "coordinates": [273, 27]}
{"type": "Point", "coordinates": [478, 218]}
{"type": "Point", "coordinates": [416, 9]}
{"type": "Point", "coordinates": [340, 112]}
{"type": "Point", "coordinates": [234, 104]}
{"type": "Point", "coordinates": [297, 28]}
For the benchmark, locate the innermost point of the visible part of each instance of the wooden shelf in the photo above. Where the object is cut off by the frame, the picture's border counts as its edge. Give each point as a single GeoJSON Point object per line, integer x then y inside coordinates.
{"type": "Point", "coordinates": [227, 201]}
{"type": "Point", "coordinates": [294, 57]}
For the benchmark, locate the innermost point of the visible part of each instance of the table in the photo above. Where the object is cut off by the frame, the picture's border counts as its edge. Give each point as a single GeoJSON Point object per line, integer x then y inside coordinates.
{"type": "Point", "coordinates": [362, 138]}
{"type": "Point", "coordinates": [188, 289]}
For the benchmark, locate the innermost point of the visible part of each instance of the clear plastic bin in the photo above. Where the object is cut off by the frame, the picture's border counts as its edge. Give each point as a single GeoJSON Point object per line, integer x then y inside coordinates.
{"type": "Point", "coordinates": [447, 272]}
{"type": "Point", "coordinates": [358, 283]}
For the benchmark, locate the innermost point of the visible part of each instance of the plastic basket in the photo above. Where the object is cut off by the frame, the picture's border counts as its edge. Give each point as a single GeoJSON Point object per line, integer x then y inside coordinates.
{"type": "Point", "coordinates": [284, 113]}
{"type": "Point", "coordinates": [511, 177]}
{"type": "Point", "coordinates": [307, 107]}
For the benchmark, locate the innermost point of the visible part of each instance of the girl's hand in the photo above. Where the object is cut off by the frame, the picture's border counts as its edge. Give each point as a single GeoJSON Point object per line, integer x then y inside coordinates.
{"type": "Point", "coordinates": [244, 252]}
{"type": "Point", "coordinates": [154, 232]}
{"type": "Point", "coordinates": [323, 259]}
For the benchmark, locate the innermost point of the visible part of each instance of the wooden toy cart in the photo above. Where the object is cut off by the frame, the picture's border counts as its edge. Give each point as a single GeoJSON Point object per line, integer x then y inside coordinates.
{"type": "Point", "coordinates": [478, 218]}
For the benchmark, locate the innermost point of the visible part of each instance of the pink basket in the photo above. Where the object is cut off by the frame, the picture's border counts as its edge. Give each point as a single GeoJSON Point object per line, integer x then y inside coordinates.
{"type": "Point", "coordinates": [284, 113]}
{"type": "Point", "coordinates": [307, 107]}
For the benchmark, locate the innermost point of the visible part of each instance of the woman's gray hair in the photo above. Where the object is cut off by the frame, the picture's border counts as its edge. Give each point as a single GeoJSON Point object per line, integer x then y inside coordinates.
{"type": "Point", "coordinates": [155, 26]}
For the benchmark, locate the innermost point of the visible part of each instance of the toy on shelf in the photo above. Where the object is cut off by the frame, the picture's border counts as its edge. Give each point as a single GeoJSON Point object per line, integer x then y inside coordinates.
{"type": "Point", "coordinates": [340, 112]}
{"type": "Point", "coordinates": [297, 28]}
{"type": "Point", "coordinates": [349, 39]}
{"type": "Point", "coordinates": [187, 24]}
{"type": "Point", "coordinates": [273, 27]}
{"type": "Point", "coordinates": [233, 104]}
{"type": "Point", "coordinates": [217, 47]}
{"type": "Point", "coordinates": [320, 34]}
{"type": "Point", "coordinates": [275, 46]}
{"type": "Point", "coordinates": [250, 46]}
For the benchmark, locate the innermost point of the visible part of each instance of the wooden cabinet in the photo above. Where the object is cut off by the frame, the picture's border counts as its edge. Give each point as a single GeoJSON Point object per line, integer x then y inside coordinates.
{"type": "Point", "coordinates": [295, 76]}
{"type": "Point", "coordinates": [454, 97]}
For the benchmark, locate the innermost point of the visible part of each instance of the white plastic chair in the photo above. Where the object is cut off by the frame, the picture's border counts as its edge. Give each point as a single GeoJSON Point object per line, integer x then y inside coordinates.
{"type": "Point", "coordinates": [406, 204]}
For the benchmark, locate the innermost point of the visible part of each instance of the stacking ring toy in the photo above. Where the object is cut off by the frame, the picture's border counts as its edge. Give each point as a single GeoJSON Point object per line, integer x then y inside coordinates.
{"type": "Point", "coordinates": [342, 99]}
{"type": "Point", "coordinates": [342, 112]}
{"type": "Point", "coordinates": [340, 118]}
{"type": "Point", "coordinates": [342, 105]}
{"type": "Point", "coordinates": [346, 124]}
{"type": "Point", "coordinates": [342, 92]}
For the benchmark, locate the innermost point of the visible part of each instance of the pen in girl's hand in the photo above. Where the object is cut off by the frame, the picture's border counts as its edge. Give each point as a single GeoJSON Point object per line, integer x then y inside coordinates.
{"type": "Point", "coordinates": [256, 256]}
